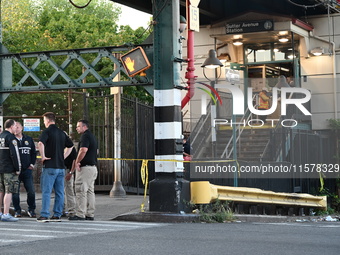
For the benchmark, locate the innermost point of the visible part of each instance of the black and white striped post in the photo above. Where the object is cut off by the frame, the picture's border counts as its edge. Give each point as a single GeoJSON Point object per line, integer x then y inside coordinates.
{"type": "Point", "coordinates": [169, 192]}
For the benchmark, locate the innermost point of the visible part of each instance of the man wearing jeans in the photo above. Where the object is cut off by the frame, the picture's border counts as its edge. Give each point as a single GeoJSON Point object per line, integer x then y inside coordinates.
{"type": "Point", "coordinates": [52, 143]}
{"type": "Point", "coordinates": [86, 173]}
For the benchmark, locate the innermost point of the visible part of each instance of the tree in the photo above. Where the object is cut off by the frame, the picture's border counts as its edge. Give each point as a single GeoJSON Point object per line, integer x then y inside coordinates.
{"type": "Point", "coordinates": [64, 26]}
{"type": "Point", "coordinates": [19, 25]}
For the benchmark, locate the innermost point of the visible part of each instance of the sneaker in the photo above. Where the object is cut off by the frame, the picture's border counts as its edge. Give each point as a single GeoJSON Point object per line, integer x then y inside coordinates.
{"type": "Point", "coordinates": [43, 219]}
{"type": "Point", "coordinates": [55, 218]}
{"type": "Point", "coordinates": [31, 214]}
{"type": "Point", "coordinates": [8, 217]}
{"type": "Point", "coordinates": [17, 215]}
{"type": "Point", "coordinates": [75, 217]}
{"type": "Point", "coordinates": [89, 218]}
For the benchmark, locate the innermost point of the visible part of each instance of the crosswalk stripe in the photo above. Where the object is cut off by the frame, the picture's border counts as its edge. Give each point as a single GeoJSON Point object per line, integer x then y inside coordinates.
{"type": "Point", "coordinates": [29, 230]}
{"type": "Point", "coordinates": [7, 241]}
{"type": "Point", "coordinates": [40, 230]}
{"type": "Point", "coordinates": [39, 236]}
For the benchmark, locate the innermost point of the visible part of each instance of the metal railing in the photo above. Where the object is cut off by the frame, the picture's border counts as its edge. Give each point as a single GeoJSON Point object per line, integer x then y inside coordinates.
{"type": "Point", "coordinates": [245, 118]}
{"type": "Point", "coordinates": [280, 140]}
{"type": "Point", "coordinates": [201, 130]}
{"type": "Point", "coordinates": [202, 192]}
{"type": "Point", "coordinates": [137, 136]}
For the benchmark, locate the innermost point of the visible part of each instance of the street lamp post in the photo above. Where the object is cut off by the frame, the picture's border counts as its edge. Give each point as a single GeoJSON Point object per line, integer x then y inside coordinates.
{"type": "Point", "coordinates": [212, 62]}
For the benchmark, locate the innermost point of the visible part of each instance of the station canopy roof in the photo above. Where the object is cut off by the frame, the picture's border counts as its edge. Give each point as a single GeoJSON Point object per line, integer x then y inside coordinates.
{"type": "Point", "coordinates": [216, 11]}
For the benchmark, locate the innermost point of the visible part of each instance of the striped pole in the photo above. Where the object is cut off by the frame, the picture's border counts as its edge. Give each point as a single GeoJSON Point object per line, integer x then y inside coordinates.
{"type": "Point", "coordinates": [169, 192]}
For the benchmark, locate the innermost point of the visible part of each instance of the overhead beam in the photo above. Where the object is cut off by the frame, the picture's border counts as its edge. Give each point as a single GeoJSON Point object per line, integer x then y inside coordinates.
{"type": "Point", "coordinates": [32, 78]}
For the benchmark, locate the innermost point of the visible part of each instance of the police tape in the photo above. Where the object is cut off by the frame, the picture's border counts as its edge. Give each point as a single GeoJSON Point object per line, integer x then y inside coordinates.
{"type": "Point", "coordinates": [145, 171]}
{"type": "Point", "coordinates": [144, 176]}
{"type": "Point", "coordinates": [171, 160]}
{"type": "Point", "coordinates": [166, 160]}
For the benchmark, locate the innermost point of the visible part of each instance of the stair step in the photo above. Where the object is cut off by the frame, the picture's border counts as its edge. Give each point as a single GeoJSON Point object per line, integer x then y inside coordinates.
{"type": "Point", "coordinates": [250, 146]}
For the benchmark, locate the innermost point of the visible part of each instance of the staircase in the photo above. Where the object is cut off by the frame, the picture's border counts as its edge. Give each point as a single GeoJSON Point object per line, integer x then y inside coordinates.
{"type": "Point", "coordinates": [250, 146]}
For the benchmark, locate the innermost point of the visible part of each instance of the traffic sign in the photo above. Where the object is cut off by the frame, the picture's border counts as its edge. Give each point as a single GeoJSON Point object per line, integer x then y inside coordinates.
{"type": "Point", "coordinates": [135, 61]}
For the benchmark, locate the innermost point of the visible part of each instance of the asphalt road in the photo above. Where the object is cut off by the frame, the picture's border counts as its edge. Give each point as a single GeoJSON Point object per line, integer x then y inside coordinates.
{"type": "Point", "coordinates": [110, 237]}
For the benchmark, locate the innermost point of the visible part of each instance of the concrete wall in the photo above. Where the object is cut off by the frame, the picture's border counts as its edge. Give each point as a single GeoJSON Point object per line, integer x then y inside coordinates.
{"type": "Point", "coordinates": [317, 72]}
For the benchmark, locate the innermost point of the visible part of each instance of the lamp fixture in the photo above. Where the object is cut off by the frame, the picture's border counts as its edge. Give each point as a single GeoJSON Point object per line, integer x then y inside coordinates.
{"type": "Point", "coordinates": [238, 42]}
{"type": "Point", "coordinates": [283, 39]}
{"type": "Point", "coordinates": [182, 24]}
{"type": "Point", "coordinates": [318, 51]}
{"type": "Point", "coordinates": [224, 57]}
{"type": "Point", "coordinates": [212, 61]}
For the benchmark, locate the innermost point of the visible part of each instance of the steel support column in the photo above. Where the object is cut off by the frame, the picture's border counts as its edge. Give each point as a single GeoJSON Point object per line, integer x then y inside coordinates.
{"type": "Point", "coordinates": [169, 192]}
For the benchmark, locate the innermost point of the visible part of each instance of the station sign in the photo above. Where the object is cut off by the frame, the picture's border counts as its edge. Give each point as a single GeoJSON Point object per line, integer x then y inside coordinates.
{"type": "Point", "coordinates": [249, 27]}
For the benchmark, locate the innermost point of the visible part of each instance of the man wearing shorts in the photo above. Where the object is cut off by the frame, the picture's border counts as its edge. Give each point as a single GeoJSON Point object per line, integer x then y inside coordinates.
{"type": "Point", "coordinates": [10, 167]}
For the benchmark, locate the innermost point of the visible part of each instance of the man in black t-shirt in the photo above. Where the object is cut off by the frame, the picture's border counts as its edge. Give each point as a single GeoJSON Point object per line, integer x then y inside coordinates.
{"type": "Point", "coordinates": [52, 143]}
{"type": "Point", "coordinates": [86, 171]}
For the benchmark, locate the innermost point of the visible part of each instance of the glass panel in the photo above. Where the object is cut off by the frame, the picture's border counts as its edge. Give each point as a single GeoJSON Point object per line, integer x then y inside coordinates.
{"type": "Point", "coordinates": [269, 52]}
{"type": "Point", "coordinates": [258, 53]}
{"type": "Point", "coordinates": [278, 55]}
{"type": "Point", "coordinates": [283, 51]}
{"type": "Point", "coordinates": [263, 55]}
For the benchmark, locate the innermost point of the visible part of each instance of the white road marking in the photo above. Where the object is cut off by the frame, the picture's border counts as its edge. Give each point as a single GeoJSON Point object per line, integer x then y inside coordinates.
{"type": "Point", "coordinates": [29, 231]}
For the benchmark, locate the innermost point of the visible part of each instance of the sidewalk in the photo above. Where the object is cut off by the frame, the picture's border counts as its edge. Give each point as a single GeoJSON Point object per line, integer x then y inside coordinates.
{"type": "Point", "coordinates": [107, 208]}
{"type": "Point", "coordinates": [128, 209]}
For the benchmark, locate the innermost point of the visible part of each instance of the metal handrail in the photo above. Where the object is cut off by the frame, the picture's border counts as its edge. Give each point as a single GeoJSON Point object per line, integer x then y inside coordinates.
{"type": "Point", "coordinates": [274, 132]}
{"type": "Point", "coordinates": [199, 130]}
{"type": "Point", "coordinates": [200, 124]}
{"type": "Point", "coordinates": [239, 132]}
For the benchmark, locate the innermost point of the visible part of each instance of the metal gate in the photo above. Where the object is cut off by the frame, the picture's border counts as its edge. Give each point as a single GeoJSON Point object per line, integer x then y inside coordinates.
{"type": "Point", "coordinates": [137, 140]}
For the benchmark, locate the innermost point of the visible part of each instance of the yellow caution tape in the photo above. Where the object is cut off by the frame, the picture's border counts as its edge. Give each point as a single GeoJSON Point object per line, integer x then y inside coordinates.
{"type": "Point", "coordinates": [167, 160]}
{"type": "Point", "coordinates": [321, 181]}
{"type": "Point", "coordinates": [170, 160]}
{"type": "Point", "coordinates": [144, 171]}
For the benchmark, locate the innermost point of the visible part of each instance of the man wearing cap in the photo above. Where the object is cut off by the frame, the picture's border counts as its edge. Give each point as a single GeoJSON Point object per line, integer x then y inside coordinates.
{"type": "Point", "coordinates": [263, 103]}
